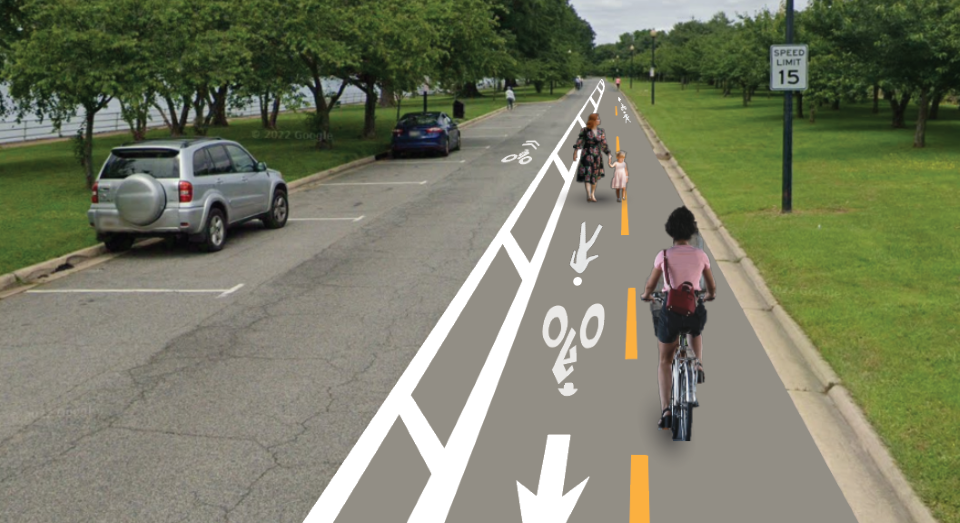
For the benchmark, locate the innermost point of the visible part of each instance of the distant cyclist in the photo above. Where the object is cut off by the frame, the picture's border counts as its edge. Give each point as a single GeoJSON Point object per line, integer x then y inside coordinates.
{"type": "Point", "coordinates": [511, 98]}
{"type": "Point", "coordinates": [686, 263]}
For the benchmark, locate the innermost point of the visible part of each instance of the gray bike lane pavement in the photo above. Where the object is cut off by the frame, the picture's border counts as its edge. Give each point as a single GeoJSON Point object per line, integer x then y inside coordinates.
{"type": "Point", "coordinates": [751, 457]}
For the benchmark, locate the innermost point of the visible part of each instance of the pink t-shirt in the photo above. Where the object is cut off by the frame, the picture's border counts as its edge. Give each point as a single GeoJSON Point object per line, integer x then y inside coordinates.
{"type": "Point", "coordinates": [686, 263]}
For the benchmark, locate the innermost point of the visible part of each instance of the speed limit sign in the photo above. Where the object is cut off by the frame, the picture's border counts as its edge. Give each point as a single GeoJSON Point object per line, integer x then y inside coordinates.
{"type": "Point", "coordinates": [788, 67]}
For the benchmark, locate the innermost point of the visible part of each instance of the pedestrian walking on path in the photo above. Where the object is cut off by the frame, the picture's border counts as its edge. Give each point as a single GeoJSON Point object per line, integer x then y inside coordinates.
{"type": "Point", "coordinates": [620, 174]}
{"type": "Point", "coordinates": [511, 98]}
{"type": "Point", "coordinates": [593, 142]}
{"type": "Point", "coordinates": [618, 83]}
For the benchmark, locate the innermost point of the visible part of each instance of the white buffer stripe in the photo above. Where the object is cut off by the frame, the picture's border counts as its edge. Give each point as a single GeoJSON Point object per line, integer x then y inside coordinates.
{"type": "Point", "coordinates": [438, 495]}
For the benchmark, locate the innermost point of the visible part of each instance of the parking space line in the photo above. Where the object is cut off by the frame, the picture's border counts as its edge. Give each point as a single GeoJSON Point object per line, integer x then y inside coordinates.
{"type": "Point", "coordinates": [220, 292]}
{"type": "Point", "coordinates": [357, 219]}
{"type": "Point", "coordinates": [421, 162]}
{"type": "Point", "coordinates": [424, 182]}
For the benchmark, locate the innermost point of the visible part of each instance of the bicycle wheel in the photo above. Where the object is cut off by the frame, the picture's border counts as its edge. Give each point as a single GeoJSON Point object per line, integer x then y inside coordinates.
{"type": "Point", "coordinates": [683, 424]}
{"type": "Point", "coordinates": [676, 408]}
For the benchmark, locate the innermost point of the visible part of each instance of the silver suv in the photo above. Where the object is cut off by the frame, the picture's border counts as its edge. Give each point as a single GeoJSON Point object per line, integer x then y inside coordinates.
{"type": "Point", "coordinates": [193, 189]}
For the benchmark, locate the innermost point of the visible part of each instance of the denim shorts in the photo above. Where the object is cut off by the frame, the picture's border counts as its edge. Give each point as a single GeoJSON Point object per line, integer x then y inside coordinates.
{"type": "Point", "coordinates": [670, 324]}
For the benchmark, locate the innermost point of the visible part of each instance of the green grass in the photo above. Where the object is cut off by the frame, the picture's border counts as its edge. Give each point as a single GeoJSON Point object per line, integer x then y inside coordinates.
{"type": "Point", "coordinates": [867, 263]}
{"type": "Point", "coordinates": [44, 199]}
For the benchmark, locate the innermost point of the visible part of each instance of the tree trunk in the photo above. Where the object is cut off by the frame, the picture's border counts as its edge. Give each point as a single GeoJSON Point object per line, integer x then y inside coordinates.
{"type": "Point", "coordinates": [898, 108]}
{"type": "Point", "coordinates": [386, 94]}
{"type": "Point", "coordinates": [836, 105]}
{"type": "Point", "coordinates": [813, 113]}
{"type": "Point", "coordinates": [370, 110]}
{"type": "Point", "coordinates": [177, 122]}
{"type": "Point", "coordinates": [199, 104]}
{"type": "Point", "coordinates": [469, 90]}
{"type": "Point", "coordinates": [800, 105]}
{"type": "Point", "coordinates": [920, 136]}
{"type": "Point", "coordinates": [683, 83]}
{"type": "Point", "coordinates": [263, 100]}
{"type": "Point", "coordinates": [538, 85]}
{"type": "Point", "coordinates": [744, 95]}
{"type": "Point", "coordinates": [88, 145]}
{"type": "Point", "coordinates": [275, 112]}
{"type": "Point", "coordinates": [321, 123]}
{"type": "Point", "coordinates": [876, 99]}
{"type": "Point", "coordinates": [935, 105]}
{"type": "Point", "coordinates": [220, 107]}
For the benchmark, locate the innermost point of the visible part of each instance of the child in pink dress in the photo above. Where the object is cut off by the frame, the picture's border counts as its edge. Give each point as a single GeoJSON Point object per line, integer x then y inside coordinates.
{"type": "Point", "coordinates": [620, 175]}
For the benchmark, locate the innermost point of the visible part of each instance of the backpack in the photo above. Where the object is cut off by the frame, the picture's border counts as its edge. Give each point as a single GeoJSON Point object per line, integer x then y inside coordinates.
{"type": "Point", "coordinates": [682, 300]}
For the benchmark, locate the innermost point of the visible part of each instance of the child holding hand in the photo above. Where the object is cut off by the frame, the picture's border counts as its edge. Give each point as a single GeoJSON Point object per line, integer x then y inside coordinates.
{"type": "Point", "coordinates": [620, 175]}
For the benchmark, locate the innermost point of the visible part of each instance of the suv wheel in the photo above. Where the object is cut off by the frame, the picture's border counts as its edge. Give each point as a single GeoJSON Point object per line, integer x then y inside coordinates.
{"type": "Point", "coordinates": [119, 242]}
{"type": "Point", "coordinates": [215, 232]}
{"type": "Point", "coordinates": [279, 211]}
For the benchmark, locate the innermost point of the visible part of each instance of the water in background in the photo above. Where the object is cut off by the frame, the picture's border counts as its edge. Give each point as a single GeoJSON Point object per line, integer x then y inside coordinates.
{"type": "Point", "coordinates": [109, 119]}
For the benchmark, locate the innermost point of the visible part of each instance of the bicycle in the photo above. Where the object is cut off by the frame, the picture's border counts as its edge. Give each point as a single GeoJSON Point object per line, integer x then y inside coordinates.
{"type": "Point", "coordinates": [683, 393]}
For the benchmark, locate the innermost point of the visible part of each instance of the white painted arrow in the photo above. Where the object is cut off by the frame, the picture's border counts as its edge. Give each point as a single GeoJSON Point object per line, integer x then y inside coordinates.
{"type": "Point", "coordinates": [550, 505]}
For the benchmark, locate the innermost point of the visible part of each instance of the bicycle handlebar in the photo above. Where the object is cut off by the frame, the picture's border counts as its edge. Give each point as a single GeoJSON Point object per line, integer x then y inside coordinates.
{"type": "Point", "coordinates": [660, 296]}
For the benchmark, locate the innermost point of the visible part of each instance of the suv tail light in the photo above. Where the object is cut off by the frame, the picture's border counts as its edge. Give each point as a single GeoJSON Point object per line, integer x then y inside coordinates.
{"type": "Point", "coordinates": [95, 193]}
{"type": "Point", "coordinates": [434, 130]}
{"type": "Point", "coordinates": [186, 192]}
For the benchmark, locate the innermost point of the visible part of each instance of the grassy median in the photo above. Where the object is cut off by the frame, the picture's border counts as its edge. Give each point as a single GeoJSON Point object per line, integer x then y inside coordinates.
{"type": "Point", "coordinates": [867, 263]}
{"type": "Point", "coordinates": [44, 200]}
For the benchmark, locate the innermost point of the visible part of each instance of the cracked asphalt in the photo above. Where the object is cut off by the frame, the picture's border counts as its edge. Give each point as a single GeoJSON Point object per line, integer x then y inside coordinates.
{"type": "Point", "coordinates": [194, 408]}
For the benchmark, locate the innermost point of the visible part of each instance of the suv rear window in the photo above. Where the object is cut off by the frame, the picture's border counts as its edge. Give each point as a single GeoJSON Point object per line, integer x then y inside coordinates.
{"type": "Point", "coordinates": [159, 163]}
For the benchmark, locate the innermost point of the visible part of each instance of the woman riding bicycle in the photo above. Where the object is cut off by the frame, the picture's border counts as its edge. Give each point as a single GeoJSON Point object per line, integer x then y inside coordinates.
{"type": "Point", "coordinates": [686, 263]}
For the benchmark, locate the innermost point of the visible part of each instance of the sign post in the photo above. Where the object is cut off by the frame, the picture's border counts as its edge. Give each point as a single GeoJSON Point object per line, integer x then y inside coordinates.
{"type": "Point", "coordinates": [788, 73]}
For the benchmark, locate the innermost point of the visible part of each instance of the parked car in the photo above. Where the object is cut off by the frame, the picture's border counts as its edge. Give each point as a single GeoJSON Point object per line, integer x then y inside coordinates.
{"type": "Point", "coordinates": [419, 132]}
{"type": "Point", "coordinates": [193, 189]}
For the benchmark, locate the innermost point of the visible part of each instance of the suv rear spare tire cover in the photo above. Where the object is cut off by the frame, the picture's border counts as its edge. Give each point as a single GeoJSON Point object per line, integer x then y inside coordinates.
{"type": "Point", "coordinates": [140, 199]}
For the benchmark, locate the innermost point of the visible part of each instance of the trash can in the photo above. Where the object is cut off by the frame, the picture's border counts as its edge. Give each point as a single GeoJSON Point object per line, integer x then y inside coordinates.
{"type": "Point", "coordinates": [458, 109]}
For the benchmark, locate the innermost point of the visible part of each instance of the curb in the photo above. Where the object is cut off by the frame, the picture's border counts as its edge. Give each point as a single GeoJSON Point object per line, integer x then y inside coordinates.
{"type": "Point", "coordinates": [22, 279]}
{"type": "Point", "coordinates": [832, 386]}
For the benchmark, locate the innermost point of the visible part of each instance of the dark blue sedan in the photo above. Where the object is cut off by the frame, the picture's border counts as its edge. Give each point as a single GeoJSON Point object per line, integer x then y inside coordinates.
{"type": "Point", "coordinates": [419, 132]}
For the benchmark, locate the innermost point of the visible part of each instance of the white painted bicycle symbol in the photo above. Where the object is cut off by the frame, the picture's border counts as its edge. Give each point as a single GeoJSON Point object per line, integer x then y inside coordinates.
{"type": "Point", "coordinates": [523, 158]}
{"type": "Point", "coordinates": [560, 370]}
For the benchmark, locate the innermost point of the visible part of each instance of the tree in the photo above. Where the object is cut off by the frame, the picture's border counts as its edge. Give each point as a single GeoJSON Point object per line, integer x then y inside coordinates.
{"type": "Point", "coordinates": [323, 53]}
{"type": "Point", "coordinates": [274, 73]}
{"type": "Point", "coordinates": [72, 57]}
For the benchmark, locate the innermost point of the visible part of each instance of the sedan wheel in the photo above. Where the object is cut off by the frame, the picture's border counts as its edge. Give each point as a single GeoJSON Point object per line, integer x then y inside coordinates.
{"type": "Point", "coordinates": [446, 147]}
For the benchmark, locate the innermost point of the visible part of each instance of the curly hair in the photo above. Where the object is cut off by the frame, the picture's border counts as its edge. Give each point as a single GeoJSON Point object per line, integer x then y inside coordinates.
{"type": "Point", "coordinates": [681, 225]}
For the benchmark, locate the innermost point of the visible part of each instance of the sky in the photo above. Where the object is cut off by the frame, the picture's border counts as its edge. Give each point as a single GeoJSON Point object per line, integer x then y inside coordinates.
{"type": "Point", "coordinates": [611, 18]}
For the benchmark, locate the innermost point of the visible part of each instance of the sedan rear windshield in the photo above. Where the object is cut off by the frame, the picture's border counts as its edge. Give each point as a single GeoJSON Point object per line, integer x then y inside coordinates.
{"type": "Point", "coordinates": [159, 163]}
{"type": "Point", "coordinates": [419, 120]}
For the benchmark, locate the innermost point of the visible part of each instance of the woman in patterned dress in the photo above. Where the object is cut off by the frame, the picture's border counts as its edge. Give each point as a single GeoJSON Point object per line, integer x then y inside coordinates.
{"type": "Point", "coordinates": [593, 141]}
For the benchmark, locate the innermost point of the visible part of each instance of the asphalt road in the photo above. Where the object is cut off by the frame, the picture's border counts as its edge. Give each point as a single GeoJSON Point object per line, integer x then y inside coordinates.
{"type": "Point", "coordinates": [389, 309]}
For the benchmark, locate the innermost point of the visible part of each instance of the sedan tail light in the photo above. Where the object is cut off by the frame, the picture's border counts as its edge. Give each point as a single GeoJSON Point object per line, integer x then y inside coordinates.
{"type": "Point", "coordinates": [95, 196]}
{"type": "Point", "coordinates": [434, 130]}
{"type": "Point", "coordinates": [186, 192]}
{"type": "Point", "coordinates": [398, 132]}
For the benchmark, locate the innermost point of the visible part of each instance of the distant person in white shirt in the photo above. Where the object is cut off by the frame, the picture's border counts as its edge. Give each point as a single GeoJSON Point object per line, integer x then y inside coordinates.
{"type": "Point", "coordinates": [510, 98]}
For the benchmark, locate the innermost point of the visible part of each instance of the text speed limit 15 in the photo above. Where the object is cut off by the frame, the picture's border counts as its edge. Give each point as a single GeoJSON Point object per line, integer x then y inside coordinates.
{"type": "Point", "coordinates": [788, 67]}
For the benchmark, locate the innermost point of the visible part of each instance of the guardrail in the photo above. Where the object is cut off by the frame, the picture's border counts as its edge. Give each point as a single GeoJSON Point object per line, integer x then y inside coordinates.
{"type": "Point", "coordinates": [32, 129]}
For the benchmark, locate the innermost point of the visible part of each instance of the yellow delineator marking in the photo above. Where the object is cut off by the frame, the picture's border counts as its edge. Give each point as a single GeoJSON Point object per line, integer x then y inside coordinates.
{"type": "Point", "coordinates": [624, 220]}
{"type": "Point", "coordinates": [615, 111]}
{"type": "Point", "coordinates": [639, 489]}
{"type": "Point", "coordinates": [631, 353]}
{"type": "Point", "coordinates": [618, 144]}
